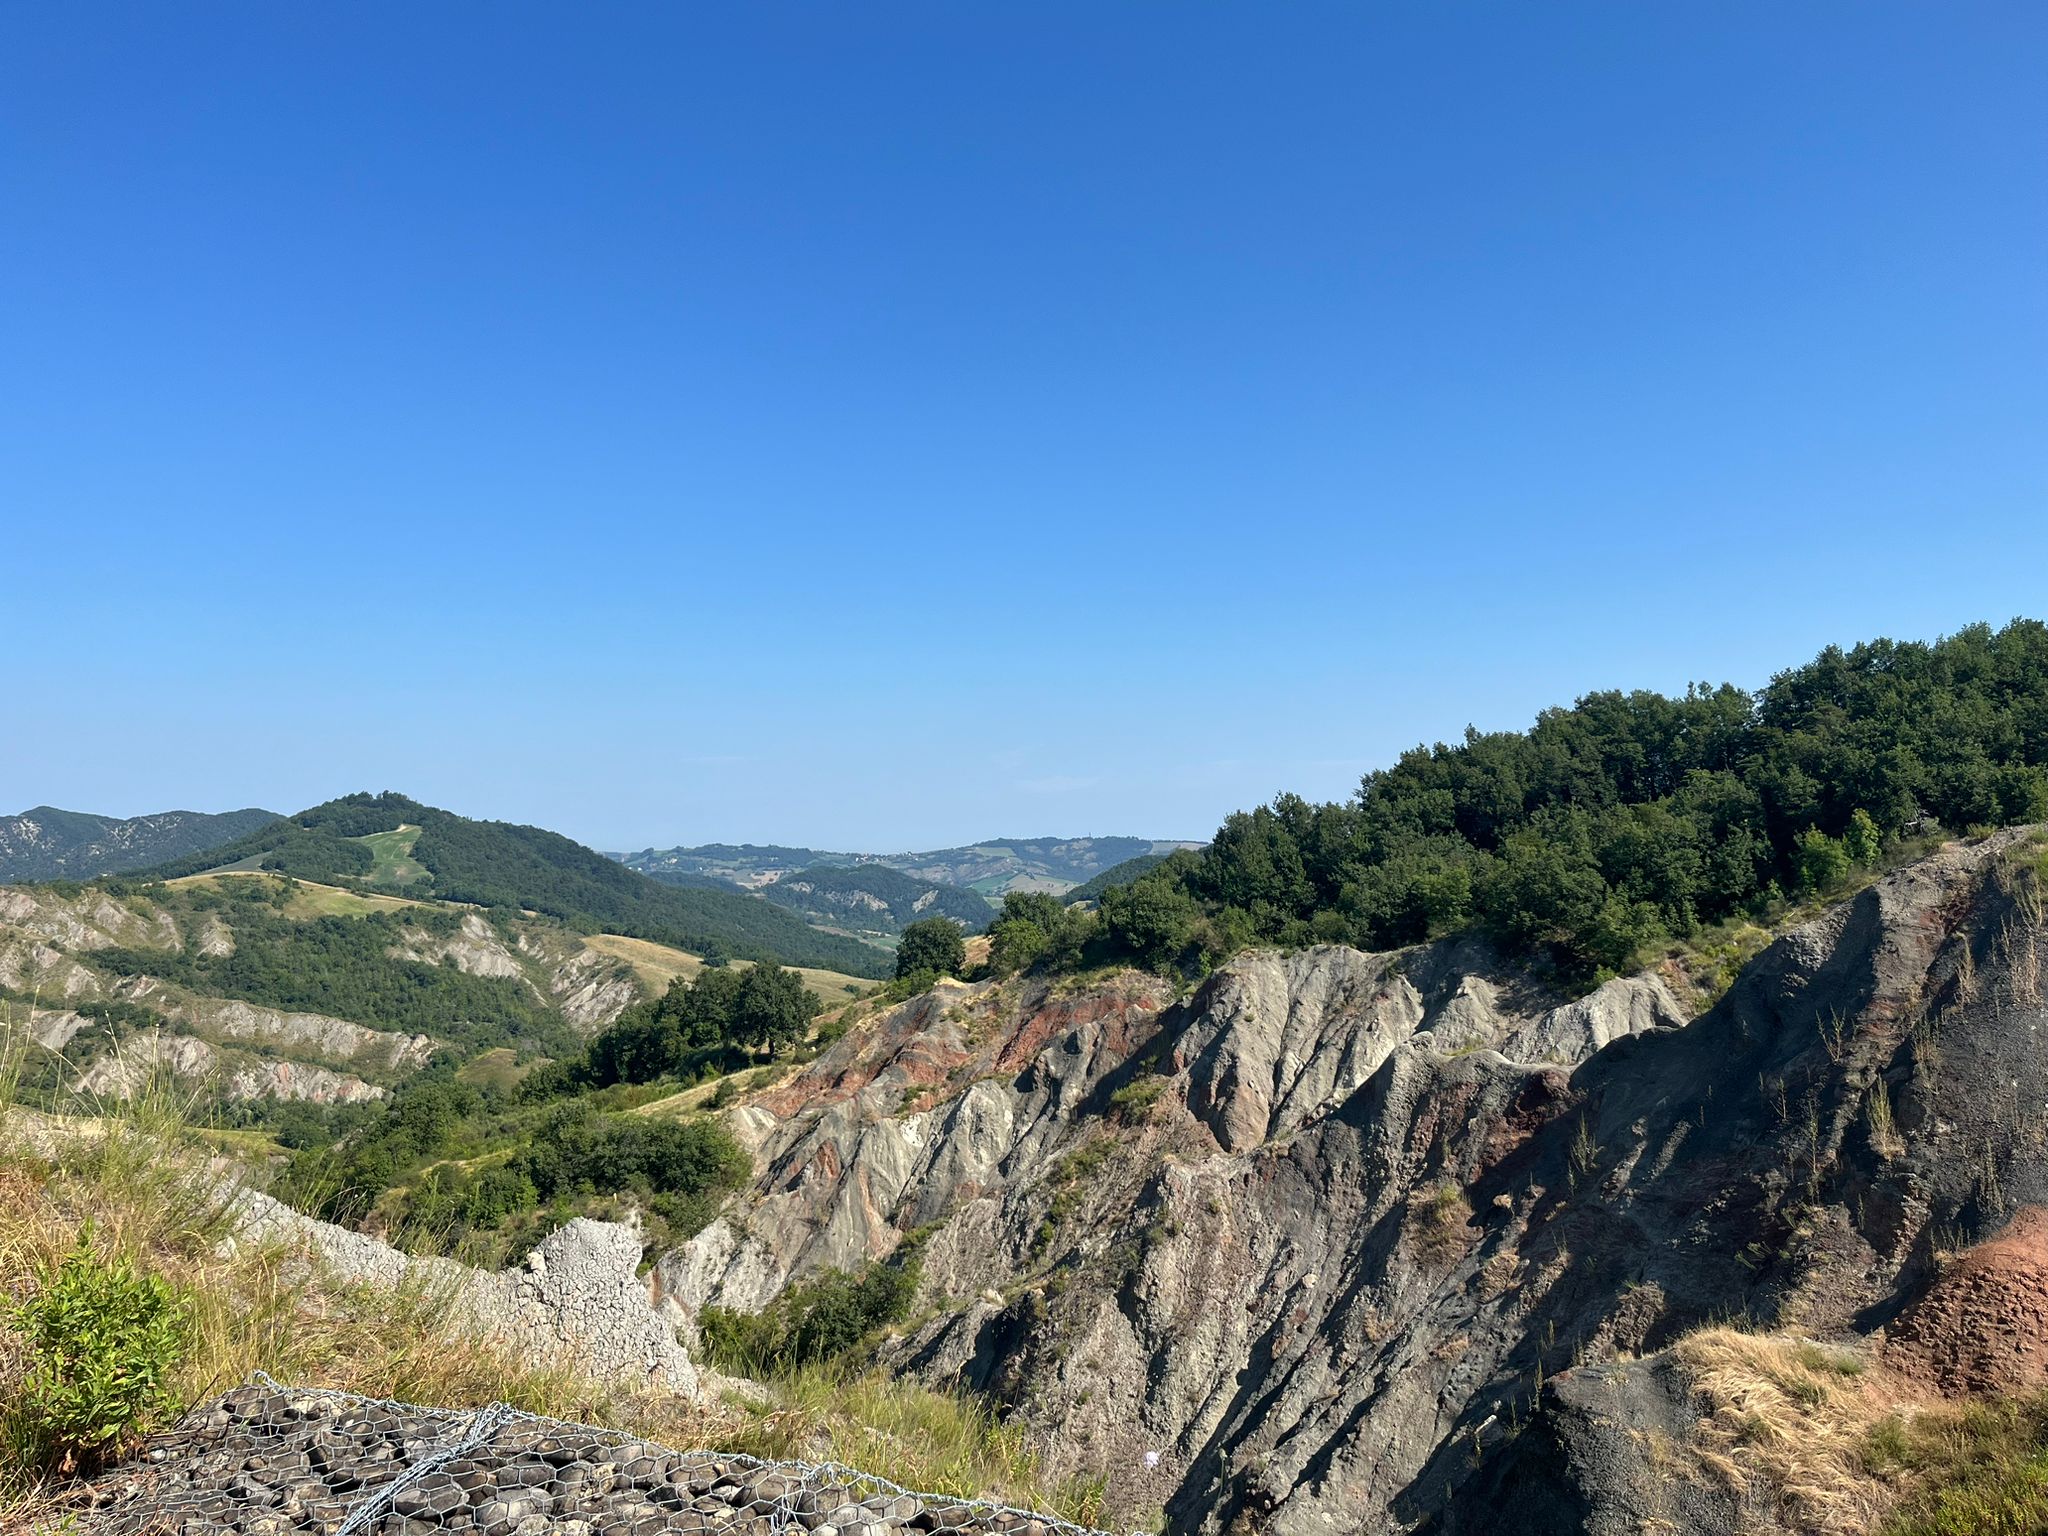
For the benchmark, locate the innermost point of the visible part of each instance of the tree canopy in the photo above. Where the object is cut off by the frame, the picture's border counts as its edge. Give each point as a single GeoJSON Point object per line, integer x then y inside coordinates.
{"type": "Point", "coordinates": [932, 944]}
{"type": "Point", "coordinates": [1622, 820]}
{"type": "Point", "coordinates": [692, 1023]}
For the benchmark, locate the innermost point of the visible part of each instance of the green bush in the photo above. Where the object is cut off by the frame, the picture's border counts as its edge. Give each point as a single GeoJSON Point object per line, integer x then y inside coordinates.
{"type": "Point", "coordinates": [576, 1150]}
{"type": "Point", "coordinates": [812, 1321]}
{"type": "Point", "coordinates": [102, 1340]}
{"type": "Point", "coordinates": [1980, 1472]}
{"type": "Point", "coordinates": [1823, 862]}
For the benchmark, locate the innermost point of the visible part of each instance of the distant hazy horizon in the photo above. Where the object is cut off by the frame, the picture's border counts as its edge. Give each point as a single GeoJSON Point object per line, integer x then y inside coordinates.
{"type": "Point", "coordinates": [901, 425]}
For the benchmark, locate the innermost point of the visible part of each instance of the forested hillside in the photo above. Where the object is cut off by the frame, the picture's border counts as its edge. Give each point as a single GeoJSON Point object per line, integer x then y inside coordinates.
{"type": "Point", "coordinates": [354, 967]}
{"type": "Point", "coordinates": [1626, 819]}
{"type": "Point", "coordinates": [872, 898]}
{"type": "Point", "coordinates": [500, 864]}
{"type": "Point", "coordinates": [49, 844]}
{"type": "Point", "coordinates": [1119, 874]}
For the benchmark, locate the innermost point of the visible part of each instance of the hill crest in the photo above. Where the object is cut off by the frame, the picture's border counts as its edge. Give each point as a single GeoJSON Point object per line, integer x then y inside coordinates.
{"type": "Point", "coordinates": [46, 843]}
{"type": "Point", "coordinates": [498, 864]}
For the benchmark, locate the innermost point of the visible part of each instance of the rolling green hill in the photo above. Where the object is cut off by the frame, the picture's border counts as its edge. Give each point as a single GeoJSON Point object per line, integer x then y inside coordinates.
{"type": "Point", "coordinates": [49, 844]}
{"type": "Point", "coordinates": [360, 841]}
{"type": "Point", "coordinates": [1116, 875]}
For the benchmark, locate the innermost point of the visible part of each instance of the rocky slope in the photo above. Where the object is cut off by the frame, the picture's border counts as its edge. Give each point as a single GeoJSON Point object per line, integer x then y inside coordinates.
{"type": "Point", "coordinates": [244, 1049]}
{"type": "Point", "coordinates": [1393, 1242]}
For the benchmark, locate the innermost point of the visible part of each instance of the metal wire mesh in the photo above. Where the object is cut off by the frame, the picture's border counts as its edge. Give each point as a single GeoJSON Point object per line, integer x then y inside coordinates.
{"type": "Point", "coordinates": [269, 1460]}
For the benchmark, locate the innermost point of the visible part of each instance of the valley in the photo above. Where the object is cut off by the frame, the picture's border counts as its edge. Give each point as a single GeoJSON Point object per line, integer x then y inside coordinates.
{"type": "Point", "coordinates": [989, 869]}
{"type": "Point", "coordinates": [1634, 1121]}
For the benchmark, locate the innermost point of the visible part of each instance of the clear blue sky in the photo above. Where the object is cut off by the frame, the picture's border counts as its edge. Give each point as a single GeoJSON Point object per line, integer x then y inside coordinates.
{"type": "Point", "coordinates": [881, 425]}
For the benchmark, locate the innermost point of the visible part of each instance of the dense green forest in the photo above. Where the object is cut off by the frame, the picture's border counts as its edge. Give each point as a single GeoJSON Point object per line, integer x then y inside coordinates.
{"type": "Point", "coordinates": [697, 1028]}
{"type": "Point", "coordinates": [342, 966]}
{"type": "Point", "coordinates": [498, 864]}
{"type": "Point", "coordinates": [48, 844]}
{"type": "Point", "coordinates": [1619, 823]}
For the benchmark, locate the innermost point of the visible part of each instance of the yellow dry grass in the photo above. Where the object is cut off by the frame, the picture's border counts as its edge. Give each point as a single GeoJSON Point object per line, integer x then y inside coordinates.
{"type": "Point", "coordinates": [655, 964]}
{"type": "Point", "coordinates": [1788, 1421]}
{"type": "Point", "coordinates": [311, 899]}
{"type": "Point", "coordinates": [154, 1197]}
{"type": "Point", "coordinates": [658, 964]}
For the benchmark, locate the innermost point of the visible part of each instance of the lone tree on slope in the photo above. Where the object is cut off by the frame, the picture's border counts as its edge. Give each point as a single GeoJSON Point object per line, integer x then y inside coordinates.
{"type": "Point", "coordinates": [931, 944]}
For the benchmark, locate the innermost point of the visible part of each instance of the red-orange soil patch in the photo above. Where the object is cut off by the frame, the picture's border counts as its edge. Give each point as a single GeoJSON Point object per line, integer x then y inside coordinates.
{"type": "Point", "coordinates": [1982, 1326]}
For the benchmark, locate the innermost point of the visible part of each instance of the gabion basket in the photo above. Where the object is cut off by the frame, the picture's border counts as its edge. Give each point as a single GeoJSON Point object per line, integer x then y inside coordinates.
{"type": "Point", "coordinates": [270, 1460]}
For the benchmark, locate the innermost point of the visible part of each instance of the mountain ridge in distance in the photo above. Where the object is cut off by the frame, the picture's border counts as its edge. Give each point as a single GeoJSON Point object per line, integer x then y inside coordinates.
{"type": "Point", "coordinates": [46, 843]}
{"type": "Point", "coordinates": [990, 868]}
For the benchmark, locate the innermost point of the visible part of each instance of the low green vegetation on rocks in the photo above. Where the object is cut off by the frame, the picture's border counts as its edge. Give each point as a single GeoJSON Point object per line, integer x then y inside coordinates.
{"type": "Point", "coordinates": [826, 1317]}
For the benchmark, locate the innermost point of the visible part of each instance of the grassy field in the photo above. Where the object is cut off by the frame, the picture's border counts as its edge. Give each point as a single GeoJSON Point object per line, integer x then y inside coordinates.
{"type": "Point", "coordinates": [690, 1100]}
{"type": "Point", "coordinates": [309, 899]}
{"type": "Point", "coordinates": [393, 852]}
{"type": "Point", "coordinates": [501, 1068]}
{"type": "Point", "coordinates": [658, 964]}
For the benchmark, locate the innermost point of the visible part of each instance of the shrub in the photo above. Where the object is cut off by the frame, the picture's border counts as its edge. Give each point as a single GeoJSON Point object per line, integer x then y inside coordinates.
{"type": "Point", "coordinates": [1154, 920]}
{"type": "Point", "coordinates": [1981, 1470]}
{"type": "Point", "coordinates": [812, 1321]}
{"type": "Point", "coordinates": [577, 1150]}
{"type": "Point", "coordinates": [102, 1341]}
{"type": "Point", "coordinates": [931, 944]}
{"type": "Point", "coordinates": [1133, 1100]}
{"type": "Point", "coordinates": [1823, 862]}
{"type": "Point", "coordinates": [1439, 1224]}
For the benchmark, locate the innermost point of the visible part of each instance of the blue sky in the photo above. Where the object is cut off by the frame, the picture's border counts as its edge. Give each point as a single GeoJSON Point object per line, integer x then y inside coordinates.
{"type": "Point", "coordinates": [891, 425]}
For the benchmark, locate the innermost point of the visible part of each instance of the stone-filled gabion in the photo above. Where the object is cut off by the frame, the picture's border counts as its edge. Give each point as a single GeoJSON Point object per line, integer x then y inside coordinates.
{"type": "Point", "coordinates": [266, 1460]}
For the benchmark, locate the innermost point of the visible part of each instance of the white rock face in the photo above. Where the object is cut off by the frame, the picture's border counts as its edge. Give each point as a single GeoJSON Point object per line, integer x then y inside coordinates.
{"type": "Point", "coordinates": [314, 1033]}
{"type": "Point", "coordinates": [27, 964]}
{"type": "Point", "coordinates": [90, 920]}
{"type": "Point", "coordinates": [125, 1071]}
{"type": "Point", "coordinates": [474, 947]}
{"type": "Point", "coordinates": [297, 1080]}
{"type": "Point", "coordinates": [54, 1031]}
{"type": "Point", "coordinates": [580, 1300]}
{"type": "Point", "coordinates": [591, 989]}
{"type": "Point", "coordinates": [577, 1303]}
{"type": "Point", "coordinates": [140, 1059]}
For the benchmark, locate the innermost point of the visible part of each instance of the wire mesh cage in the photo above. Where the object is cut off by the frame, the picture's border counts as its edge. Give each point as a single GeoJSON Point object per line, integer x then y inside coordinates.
{"type": "Point", "coordinates": [270, 1460]}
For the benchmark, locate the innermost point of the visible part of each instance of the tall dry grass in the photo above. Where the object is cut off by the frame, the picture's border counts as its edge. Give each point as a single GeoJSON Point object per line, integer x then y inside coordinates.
{"type": "Point", "coordinates": [1788, 1422]}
